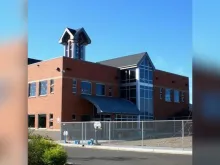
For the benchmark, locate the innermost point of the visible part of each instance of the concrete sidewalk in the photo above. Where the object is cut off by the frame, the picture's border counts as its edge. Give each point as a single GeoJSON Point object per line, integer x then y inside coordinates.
{"type": "Point", "coordinates": [134, 148]}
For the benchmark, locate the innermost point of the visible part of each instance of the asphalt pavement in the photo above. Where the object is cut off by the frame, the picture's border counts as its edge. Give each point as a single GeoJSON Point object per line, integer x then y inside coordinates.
{"type": "Point", "coordinates": [85, 156]}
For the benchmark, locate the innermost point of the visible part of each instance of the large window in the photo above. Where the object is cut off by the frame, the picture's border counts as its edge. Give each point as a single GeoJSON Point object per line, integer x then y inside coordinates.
{"type": "Point", "coordinates": [128, 76]}
{"type": "Point", "coordinates": [176, 96]}
{"type": "Point", "coordinates": [100, 89]}
{"type": "Point", "coordinates": [42, 88]}
{"type": "Point", "coordinates": [86, 87]}
{"type": "Point", "coordinates": [129, 93]}
{"type": "Point", "coordinates": [168, 95]}
{"type": "Point", "coordinates": [32, 89]}
{"type": "Point", "coordinates": [146, 72]}
{"type": "Point", "coordinates": [146, 102]}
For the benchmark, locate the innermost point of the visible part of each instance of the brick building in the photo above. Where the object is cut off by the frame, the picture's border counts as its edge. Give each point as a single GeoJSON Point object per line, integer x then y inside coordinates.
{"type": "Point", "coordinates": [69, 88]}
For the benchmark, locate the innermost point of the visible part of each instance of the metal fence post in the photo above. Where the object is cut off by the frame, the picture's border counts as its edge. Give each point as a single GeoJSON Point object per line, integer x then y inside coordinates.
{"type": "Point", "coordinates": [82, 132]}
{"type": "Point", "coordinates": [142, 134]}
{"type": "Point", "coordinates": [182, 133]}
{"type": "Point", "coordinates": [85, 131]}
{"type": "Point", "coordinates": [109, 134]}
{"type": "Point", "coordinates": [61, 131]}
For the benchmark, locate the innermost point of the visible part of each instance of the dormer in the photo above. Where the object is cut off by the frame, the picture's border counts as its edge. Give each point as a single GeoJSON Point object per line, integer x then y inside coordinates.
{"type": "Point", "coordinates": [75, 42]}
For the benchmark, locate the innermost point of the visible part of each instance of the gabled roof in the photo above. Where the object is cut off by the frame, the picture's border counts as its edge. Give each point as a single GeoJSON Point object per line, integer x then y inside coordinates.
{"type": "Point", "coordinates": [74, 32]}
{"type": "Point", "coordinates": [125, 61]}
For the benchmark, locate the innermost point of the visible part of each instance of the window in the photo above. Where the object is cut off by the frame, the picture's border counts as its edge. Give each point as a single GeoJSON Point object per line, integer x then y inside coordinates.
{"type": "Point", "coordinates": [161, 93]}
{"type": "Point", "coordinates": [31, 121]}
{"type": "Point", "coordinates": [32, 89]}
{"type": "Point", "coordinates": [100, 89]}
{"type": "Point", "coordinates": [73, 117]}
{"type": "Point", "coordinates": [129, 93]}
{"type": "Point", "coordinates": [128, 76]}
{"type": "Point", "coordinates": [132, 75]}
{"type": "Point", "coordinates": [86, 87]}
{"type": "Point", "coordinates": [150, 96]}
{"type": "Point", "coordinates": [182, 96]}
{"type": "Point", "coordinates": [146, 99]}
{"type": "Point", "coordinates": [50, 124]}
{"type": "Point", "coordinates": [42, 118]}
{"type": "Point", "coordinates": [168, 95]}
{"type": "Point", "coordinates": [51, 116]}
{"type": "Point", "coordinates": [110, 91]}
{"type": "Point", "coordinates": [70, 49]}
{"type": "Point", "coordinates": [176, 96]}
{"type": "Point", "coordinates": [146, 71]}
{"type": "Point", "coordinates": [82, 52]}
{"type": "Point", "coordinates": [42, 88]}
{"type": "Point", "coordinates": [74, 86]}
{"type": "Point", "coordinates": [52, 86]}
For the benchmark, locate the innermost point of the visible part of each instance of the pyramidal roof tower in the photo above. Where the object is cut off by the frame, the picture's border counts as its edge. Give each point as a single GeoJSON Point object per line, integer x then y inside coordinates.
{"type": "Point", "coordinates": [74, 42]}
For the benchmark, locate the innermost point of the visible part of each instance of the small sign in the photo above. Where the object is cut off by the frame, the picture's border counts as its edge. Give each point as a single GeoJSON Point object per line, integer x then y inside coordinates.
{"type": "Point", "coordinates": [65, 133]}
{"type": "Point", "coordinates": [58, 120]}
{"type": "Point", "coordinates": [97, 125]}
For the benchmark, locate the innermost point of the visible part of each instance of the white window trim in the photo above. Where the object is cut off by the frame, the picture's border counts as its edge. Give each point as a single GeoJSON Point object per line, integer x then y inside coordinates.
{"type": "Point", "coordinates": [81, 88]}
{"type": "Point", "coordinates": [104, 90]}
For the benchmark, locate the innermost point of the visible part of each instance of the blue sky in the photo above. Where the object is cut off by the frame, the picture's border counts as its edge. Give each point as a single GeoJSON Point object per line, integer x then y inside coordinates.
{"type": "Point", "coordinates": [163, 28]}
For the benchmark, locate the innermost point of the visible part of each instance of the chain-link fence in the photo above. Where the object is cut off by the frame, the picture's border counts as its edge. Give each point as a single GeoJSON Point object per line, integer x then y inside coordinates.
{"type": "Point", "coordinates": [177, 134]}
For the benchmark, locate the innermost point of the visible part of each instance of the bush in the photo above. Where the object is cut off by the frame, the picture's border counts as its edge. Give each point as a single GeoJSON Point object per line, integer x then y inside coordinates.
{"type": "Point", "coordinates": [39, 149]}
{"type": "Point", "coordinates": [55, 156]}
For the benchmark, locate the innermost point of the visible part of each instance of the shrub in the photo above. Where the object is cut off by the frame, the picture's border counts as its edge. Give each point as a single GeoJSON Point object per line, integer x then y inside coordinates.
{"type": "Point", "coordinates": [38, 146]}
{"type": "Point", "coordinates": [55, 156]}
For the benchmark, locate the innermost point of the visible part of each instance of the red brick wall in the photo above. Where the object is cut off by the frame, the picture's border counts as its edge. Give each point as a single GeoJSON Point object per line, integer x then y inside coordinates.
{"type": "Point", "coordinates": [82, 70]}
{"type": "Point", "coordinates": [63, 103]}
{"type": "Point", "coordinates": [163, 109]}
{"type": "Point", "coordinates": [51, 103]}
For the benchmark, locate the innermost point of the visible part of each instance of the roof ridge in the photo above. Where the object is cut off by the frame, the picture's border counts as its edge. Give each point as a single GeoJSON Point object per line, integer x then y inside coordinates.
{"type": "Point", "coordinates": [125, 56]}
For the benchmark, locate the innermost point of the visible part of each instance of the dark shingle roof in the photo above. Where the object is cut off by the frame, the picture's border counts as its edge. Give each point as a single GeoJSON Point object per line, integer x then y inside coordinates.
{"type": "Point", "coordinates": [32, 61]}
{"type": "Point", "coordinates": [124, 61]}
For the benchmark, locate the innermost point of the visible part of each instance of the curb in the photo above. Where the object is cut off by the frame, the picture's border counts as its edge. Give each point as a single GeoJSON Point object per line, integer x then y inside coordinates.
{"type": "Point", "coordinates": [149, 150]}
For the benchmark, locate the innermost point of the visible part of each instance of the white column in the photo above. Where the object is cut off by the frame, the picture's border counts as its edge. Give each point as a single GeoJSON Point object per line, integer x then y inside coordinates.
{"type": "Point", "coordinates": [137, 90]}
{"type": "Point", "coordinates": [65, 50]}
{"type": "Point", "coordinates": [74, 50]}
